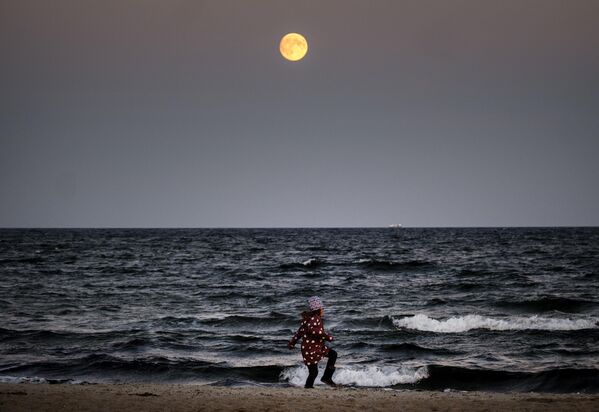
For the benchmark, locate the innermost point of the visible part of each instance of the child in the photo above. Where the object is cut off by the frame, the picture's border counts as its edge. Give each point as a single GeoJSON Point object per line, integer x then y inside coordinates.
{"type": "Point", "coordinates": [312, 333]}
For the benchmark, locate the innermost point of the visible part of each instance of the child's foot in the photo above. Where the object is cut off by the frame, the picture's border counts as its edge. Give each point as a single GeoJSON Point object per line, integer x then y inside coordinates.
{"type": "Point", "coordinates": [327, 377]}
{"type": "Point", "coordinates": [329, 382]}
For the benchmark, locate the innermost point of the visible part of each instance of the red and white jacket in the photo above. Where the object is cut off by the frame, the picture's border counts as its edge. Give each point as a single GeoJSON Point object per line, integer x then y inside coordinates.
{"type": "Point", "coordinates": [313, 336]}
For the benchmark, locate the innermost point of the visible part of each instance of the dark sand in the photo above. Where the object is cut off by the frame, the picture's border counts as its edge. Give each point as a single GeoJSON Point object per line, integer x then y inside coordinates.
{"type": "Point", "coordinates": [133, 397]}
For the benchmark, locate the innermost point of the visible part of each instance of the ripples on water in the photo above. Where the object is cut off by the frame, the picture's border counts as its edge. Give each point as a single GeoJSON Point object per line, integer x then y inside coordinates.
{"type": "Point", "coordinates": [495, 309]}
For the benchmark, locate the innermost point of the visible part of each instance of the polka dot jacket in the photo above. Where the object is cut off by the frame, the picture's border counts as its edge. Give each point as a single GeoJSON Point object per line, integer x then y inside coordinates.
{"type": "Point", "coordinates": [313, 336]}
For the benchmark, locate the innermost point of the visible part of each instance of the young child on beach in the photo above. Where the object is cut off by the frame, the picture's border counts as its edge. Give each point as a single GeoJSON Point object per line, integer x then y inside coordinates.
{"type": "Point", "coordinates": [313, 336]}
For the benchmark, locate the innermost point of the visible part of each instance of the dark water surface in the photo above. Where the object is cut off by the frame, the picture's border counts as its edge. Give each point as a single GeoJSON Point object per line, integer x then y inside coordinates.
{"type": "Point", "coordinates": [493, 309]}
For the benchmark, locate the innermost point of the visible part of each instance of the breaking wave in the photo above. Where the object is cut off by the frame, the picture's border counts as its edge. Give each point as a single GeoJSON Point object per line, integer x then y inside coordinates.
{"type": "Point", "coordinates": [366, 375]}
{"type": "Point", "coordinates": [36, 379]}
{"type": "Point", "coordinates": [306, 264]}
{"type": "Point", "coordinates": [468, 322]}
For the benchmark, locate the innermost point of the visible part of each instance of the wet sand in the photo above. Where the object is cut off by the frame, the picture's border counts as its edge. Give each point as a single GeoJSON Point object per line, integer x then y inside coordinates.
{"type": "Point", "coordinates": [167, 397]}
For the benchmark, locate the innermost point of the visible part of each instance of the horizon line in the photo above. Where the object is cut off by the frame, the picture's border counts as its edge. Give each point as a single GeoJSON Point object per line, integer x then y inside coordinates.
{"type": "Point", "coordinates": [283, 227]}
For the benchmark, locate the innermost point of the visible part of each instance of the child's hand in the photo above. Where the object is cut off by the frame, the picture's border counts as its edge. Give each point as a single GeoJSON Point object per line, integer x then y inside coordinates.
{"type": "Point", "coordinates": [290, 345]}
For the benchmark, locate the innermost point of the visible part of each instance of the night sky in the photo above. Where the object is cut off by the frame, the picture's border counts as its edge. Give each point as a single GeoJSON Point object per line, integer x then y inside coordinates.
{"type": "Point", "coordinates": [147, 113]}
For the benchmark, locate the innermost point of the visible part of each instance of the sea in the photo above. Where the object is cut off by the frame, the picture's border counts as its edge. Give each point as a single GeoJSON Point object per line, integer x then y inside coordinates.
{"type": "Point", "coordinates": [493, 309]}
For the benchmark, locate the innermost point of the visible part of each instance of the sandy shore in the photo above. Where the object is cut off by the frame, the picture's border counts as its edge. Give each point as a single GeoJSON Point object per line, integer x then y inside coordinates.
{"type": "Point", "coordinates": [132, 397]}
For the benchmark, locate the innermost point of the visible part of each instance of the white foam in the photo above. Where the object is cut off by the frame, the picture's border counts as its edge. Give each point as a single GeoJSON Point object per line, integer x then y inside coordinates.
{"type": "Point", "coordinates": [468, 322]}
{"type": "Point", "coordinates": [21, 379]}
{"type": "Point", "coordinates": [363, 375]}
{"type": "Point", "coordinates": [310, 262]}
{"type": "Point", "coordinates": [34, 379]}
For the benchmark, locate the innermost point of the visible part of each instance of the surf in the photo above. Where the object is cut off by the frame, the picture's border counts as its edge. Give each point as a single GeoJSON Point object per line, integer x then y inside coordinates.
{"type": "Point", "coordinates": [458, 324]}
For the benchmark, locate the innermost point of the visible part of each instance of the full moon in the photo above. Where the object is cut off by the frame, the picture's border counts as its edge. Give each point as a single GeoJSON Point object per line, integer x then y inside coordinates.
{"type": "Point", "coordinates": [293, 46]}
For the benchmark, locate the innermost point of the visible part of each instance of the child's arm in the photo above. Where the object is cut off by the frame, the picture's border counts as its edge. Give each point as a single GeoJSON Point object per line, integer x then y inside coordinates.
{"type": "Point", "coordinates": [295, 337]}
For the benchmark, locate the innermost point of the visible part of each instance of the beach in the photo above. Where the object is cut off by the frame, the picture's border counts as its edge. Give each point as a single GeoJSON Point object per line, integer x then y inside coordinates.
{"type": "Point", "coordinates": [185, 397]}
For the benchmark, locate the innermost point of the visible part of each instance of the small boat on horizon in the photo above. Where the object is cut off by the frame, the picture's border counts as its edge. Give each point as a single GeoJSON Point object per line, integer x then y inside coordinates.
{"type": "Point", "coordinates": [396, 226]}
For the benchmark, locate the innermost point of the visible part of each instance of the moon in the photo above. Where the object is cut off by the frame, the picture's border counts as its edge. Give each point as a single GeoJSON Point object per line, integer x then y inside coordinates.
{"type": "Point", "coordinates": [293, 46]}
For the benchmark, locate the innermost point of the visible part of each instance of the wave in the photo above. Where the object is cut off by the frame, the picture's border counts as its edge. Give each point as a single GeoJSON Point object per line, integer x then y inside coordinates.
{"type": "Point", "coordinates": [104, 368]}
{"type": "Point", "coordinates": [362, 375]}
{"type": "Point", "coordinates": [552, 380]}
{"type": "Point", "coordinates": [321, 248]}
{"type": "Point", "coordinates": [440, 377]}
{"type": "Point", "coordinates": [468, 322]}
{"type": "Point", "coordinates": [45, 335]}
{"type": "Point", "coordinates": [466, 272]}
{"type": "Point", "coordinates": [307, 264]}
{"type": "Point", "coordinates": [385, 265]}
{"type": "Point", "coordinates": [373, 264]}
{"type": "Point", "coordinates": [32, 259]}
{"type": "Point", "coordinates": [131, 344]}
{"type": "Point", "coordinates": [549, 303]}
{"type": "Point", "coordinates": [271, 319]}
{"type": "Point", "coordinates": [414, 349]}
{"type": "Point", "coordinates": [402, 348]}
{"type": "Point", "coordinates": [108, 368]}
{"type": "Point", "coordinates": [36, 379]}
{"type": "Point", "coordinates": [385, 322]}
{"type": "Point", "coordinates": [468, 286]}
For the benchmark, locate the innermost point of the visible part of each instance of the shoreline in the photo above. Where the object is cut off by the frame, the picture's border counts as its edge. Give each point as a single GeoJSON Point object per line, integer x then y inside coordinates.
{"type": "Point", "coordinates": [192, 397]}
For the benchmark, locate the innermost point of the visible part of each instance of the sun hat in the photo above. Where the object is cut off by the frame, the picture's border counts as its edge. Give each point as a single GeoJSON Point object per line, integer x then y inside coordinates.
{"type": "Point", "coordinates": [315, 303]}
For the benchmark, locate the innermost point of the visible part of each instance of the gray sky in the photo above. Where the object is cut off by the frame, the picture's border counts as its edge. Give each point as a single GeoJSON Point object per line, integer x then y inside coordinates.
{"type": "Point", "coordinates": [147, 113]}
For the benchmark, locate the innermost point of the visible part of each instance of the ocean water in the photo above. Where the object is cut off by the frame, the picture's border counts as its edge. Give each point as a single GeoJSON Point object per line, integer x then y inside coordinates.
{"type": "Point", "coordinates": [500, 309]}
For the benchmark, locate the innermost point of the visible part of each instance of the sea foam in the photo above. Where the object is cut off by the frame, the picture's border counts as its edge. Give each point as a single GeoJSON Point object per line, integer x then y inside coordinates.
{"type": "Point", "coordinates": [465, 323]}
{"type": "Point", "coordinates": [36, 379]}
{"type": "Point", "coordinates": [311, 262]}
{"type": "Point", "coordinates": [365, 375]}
